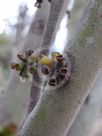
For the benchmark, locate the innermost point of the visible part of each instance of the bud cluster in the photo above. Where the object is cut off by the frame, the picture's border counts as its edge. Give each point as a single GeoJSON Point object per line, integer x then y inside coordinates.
{"type": "Point", "coordinates": [54, 67]}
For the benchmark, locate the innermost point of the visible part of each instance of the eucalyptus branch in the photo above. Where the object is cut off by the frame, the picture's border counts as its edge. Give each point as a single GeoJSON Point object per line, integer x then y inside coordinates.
{"type": "Point", "coordinates": [56, 110]}
{"type": "Point", "coordinates": [57, 10]}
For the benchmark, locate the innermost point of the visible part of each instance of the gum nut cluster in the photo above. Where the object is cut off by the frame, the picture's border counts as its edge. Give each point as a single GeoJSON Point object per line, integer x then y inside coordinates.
{"type": "Point", "coordinates": [55, 66]}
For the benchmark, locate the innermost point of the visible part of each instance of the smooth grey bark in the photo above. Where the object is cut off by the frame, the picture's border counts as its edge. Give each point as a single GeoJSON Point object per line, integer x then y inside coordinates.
{"type": "Point", "coordinates": [86, 116]}
{"type": "Point", "coordinates": [90, 113]}
{"type": "Point", "coordinates": [16, 96]}
{"type": "Point", "coordinates": [57, 10]}
{"type": "Point", "coordinates": [56, 110]}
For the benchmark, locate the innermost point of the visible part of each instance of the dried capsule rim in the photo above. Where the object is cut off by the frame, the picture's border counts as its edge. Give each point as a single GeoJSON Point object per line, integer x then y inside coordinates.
{"type": "Point", "coordinates": [63, 71]}
{"type": "Point", "coordinates": [52, 81]}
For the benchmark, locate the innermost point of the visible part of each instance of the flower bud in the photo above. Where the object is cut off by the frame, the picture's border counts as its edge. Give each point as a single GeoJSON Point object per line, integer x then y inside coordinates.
{"type": "Point", "coordinates": [37, 4]}
{"type": "Point", "coordinates": [31, 60]}
{"type": "Point", "coordinates": [13, 65]}
{"type": "Point", "coordinates": [32, 70]}
{"type": "Point", "coordinates": [21, 55]}
{"type": "Point", "coordinates": [16, 66]}
{"type": "Point", "coordinates": [45, 60]}
{"type": "Point", "coordinates": [60, 58]}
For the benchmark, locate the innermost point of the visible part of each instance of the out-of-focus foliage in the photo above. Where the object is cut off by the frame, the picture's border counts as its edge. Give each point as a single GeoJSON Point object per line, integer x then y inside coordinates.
{"type": "Point", "coordinates": [5, 39]}
{"type": "Point", "coordinates": [11, 41]}
{"type": "Point", "coordinates": [5, 55]}
{"type": "Point", "coordinates": [8, 130]}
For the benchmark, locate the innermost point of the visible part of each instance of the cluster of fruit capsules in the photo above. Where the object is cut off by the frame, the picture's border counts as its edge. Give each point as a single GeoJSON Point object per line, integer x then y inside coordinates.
{"type": "Point", "coordinates": [29, 63]}
{"type": "Point", "coordinates": [55, 67]}
{"type": "Point", "coordinates": [25, 67]}
{"type": "Point", "coordinates": [59, 71]}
